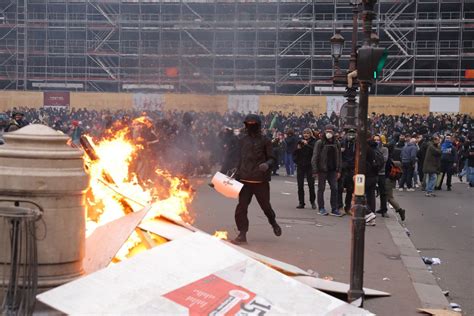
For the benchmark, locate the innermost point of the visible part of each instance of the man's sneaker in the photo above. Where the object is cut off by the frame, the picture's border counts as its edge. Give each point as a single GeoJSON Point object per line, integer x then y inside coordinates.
{"type": "Point", "coordinates": [369, 217]}
{"type": "Point", "coordinates": [449, 189]}
{"type": "Point", "coordinates": [430, 194]}
{"type": "Point", "coordinates": [336, 212]}
{"type": "Point", "coordinates": [313, 206]}
{"type": "Point", "coordinates": [240, 239]}
{"type": "Point", "coordinates": [400, 189]}
{"type": "Point", "coordinates": [401, 212]}
{"type": "Point", "coordinates": [276, 229]}
{"type": "Point", "coordinates": [323, 212]}
{"type": "Point", "coordinates": [348, 211]}
{"type": "Point", "coordinates": [411, 190]}
{"type": "Point", "coordinates": [300, 206]}
{"type": "Point", "coordinates": [370, 223]}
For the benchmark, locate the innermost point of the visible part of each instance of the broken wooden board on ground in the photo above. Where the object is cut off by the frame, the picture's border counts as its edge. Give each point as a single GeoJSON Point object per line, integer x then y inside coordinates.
{"type": "Point", "coordinates": [165, 228]}
{"type": "Point", "coordinates": [282, 267]}
{"type": "Point", "coordinates": [106, 240]}
{"type": "Point", "coordinates": [197, 274]}
{"type": "Point", "coordinates": [333, 286]}
{"type": "Point", "coordinates": [438, 312]}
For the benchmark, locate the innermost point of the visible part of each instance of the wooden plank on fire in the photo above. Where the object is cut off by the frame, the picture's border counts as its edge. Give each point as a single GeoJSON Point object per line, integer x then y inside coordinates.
{"type": "Point", "coordinates": [104, 243]}
{"type": "Point", "coordinates": [109, 181]}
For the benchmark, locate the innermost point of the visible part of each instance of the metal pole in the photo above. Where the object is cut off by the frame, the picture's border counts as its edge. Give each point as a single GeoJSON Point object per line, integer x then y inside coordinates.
{"type": "Point", "coordinates": [356, 292]}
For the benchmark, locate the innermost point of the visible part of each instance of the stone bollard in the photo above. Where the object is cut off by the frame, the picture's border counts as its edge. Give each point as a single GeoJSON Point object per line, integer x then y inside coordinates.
{"type": "Point", "coordinates": [36, 164]}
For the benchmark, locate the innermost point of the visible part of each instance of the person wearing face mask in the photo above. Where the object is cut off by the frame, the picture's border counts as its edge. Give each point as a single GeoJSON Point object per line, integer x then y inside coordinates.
{"type": "Point", "coordinates": [326, 163]}
{"type": "Point", "coordinates": [302, 157]}
{"type": "Point", "coordinates": [253, 169]}
{"type": "Point", "coordinates": [346, 181]}
{"type": "Point", "coordinates": [381, 176]}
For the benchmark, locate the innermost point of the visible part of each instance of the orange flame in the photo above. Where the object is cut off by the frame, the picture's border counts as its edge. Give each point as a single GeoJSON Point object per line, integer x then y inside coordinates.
{"type": "Point", "coordinates": [115, 189]}
{"type": "Point", "coordinates": [220, 235]}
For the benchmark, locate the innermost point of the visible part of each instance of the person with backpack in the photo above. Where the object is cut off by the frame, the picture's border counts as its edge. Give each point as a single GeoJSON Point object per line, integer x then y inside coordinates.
{"type": "Point", "coordinates": [381, 157]}
{"type": "Point", "coordinates": [393, 172]}
{"type": "Point", "coordinates": [408, 157]}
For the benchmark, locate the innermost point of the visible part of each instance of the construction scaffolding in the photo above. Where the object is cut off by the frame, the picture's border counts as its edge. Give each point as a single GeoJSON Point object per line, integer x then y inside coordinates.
{"type": "Point", "coordinates": [227, 46]}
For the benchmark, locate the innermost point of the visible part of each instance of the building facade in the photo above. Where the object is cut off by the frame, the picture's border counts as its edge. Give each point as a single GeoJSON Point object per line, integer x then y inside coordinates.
{"type": "Point", "coordinates": [228, 46]}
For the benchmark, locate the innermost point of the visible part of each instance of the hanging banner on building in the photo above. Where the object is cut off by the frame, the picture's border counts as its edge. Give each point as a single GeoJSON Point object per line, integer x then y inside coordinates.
{"type": "Point", "coordinates": [148, 101]}
{"type": "Point", "coordinates": [56, 99]}
{"type": "Point", "coordinates": [444, 104]}
{"type": "Point", "coordinates": [334, 104]}
{"type": "Point", "coordinates": [243, 103]}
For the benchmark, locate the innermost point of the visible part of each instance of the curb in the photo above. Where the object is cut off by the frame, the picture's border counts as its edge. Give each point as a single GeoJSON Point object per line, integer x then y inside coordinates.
{"type": "Point", "coordinates": [426, 287]}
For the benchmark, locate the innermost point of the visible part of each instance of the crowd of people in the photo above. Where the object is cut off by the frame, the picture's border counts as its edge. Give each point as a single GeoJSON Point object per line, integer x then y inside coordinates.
{"type": "Point", "coordinates": [405, 151]}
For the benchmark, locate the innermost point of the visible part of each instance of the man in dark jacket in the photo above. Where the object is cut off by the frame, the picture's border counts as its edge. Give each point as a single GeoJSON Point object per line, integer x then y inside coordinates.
{"type": "Point", "coordinates": [253, 170]}
{"type": "Point", "coordinates": [346, 180]}
{"type": "Point", "coordinates": [302, 157]}
{"type": "Point", "coordinates": [448, 162]}
{"type": "Point", "coordinates": [432, 164]}
{"type": "Point", "coordinates": [229, 148]}
{"type": "Point", "coordinates": [408, 164]}
{"type": "Point", "coordinates": [290, 146]}
{"type": "Point", "coordinates": [326, 163]}
{"type": "Point", "coordinates": [371, 173]}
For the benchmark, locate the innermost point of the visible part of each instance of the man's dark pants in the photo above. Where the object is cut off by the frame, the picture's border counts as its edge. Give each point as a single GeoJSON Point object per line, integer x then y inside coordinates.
{"type": "Point", "coordinates": [303, 172]}
{"type": "Point", "coordinates": [446, 169]}
{"type": "Point", "coordinates": [331, 177]}
{"type": "Point", "coordinates": [262, 193]}
{"type": "Point", "coordinates": [370, 183]}
{"type": "Point", "coordinates": [407, 175]}
{"type": "Point", "coordinates": [346, 181]}
{"type": "Point", "coordinates": [382, 193]}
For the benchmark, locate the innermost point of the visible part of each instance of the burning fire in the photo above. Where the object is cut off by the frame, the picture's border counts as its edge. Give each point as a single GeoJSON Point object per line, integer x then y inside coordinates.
{"type": "Point", "coordinates": [115, 189]}
{"type": "Point", "coordinates": [221, 235]}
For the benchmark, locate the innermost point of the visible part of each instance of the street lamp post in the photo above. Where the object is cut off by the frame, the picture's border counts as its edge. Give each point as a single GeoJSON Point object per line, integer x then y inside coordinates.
{"type": "Point", "coordinates": [359, 111]}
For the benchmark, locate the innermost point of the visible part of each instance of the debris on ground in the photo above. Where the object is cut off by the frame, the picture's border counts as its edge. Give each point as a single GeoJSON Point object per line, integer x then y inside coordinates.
{"type": "Point", "coordinates": [386, 279]}
{"type": "Point", "coordinates": [408, 232]}
{"type": "Point", "coordinates": [455, 307]}
{"type": "Point", "coordinates": [446, 293]}
{"type": "Point", "coordinates": [431, 261]}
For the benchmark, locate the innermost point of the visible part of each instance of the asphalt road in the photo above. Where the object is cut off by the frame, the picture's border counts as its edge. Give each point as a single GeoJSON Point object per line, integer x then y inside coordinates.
{"type": "Point", "coordinates": [310, 241]}
{"type": "Point", "coordinates": [443, 227]}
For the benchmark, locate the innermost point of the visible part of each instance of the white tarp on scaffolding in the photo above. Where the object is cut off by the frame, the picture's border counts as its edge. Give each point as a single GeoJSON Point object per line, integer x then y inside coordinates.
{"type": "Point", "coordinates": [194, 275]}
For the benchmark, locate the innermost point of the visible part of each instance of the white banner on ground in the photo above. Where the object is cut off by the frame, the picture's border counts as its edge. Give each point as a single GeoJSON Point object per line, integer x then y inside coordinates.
{"type": "Point", "coordinates": [334, 104]}
{"type": "Point", "coordinates": [444, 104]}
{"type": "Point", "coordinates": [148, 101]}
{"type": "Point", "coordinates": [243, 103]}
{"type": "Point", "coordinates": [222, 281]}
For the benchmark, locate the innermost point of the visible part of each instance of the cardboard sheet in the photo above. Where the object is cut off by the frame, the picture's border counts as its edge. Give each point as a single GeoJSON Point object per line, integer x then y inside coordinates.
{"type": "Point", "coordinates": [333, 286]}
{"type": "Point", "coordinates": [104, 243]}
{"type": "Point", "coordinates": [170, 280]}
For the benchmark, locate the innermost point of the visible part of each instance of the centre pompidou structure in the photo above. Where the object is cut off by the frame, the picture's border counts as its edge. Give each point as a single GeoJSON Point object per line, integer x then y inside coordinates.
{"type": "Point", "coordinates": [227, 46]}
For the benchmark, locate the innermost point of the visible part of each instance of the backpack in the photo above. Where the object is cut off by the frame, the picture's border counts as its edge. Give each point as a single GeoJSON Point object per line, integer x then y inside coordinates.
{"type": "Point", "coordinates": [395, 172]}
{"type": "Point", "coordinates": [379, 161]}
